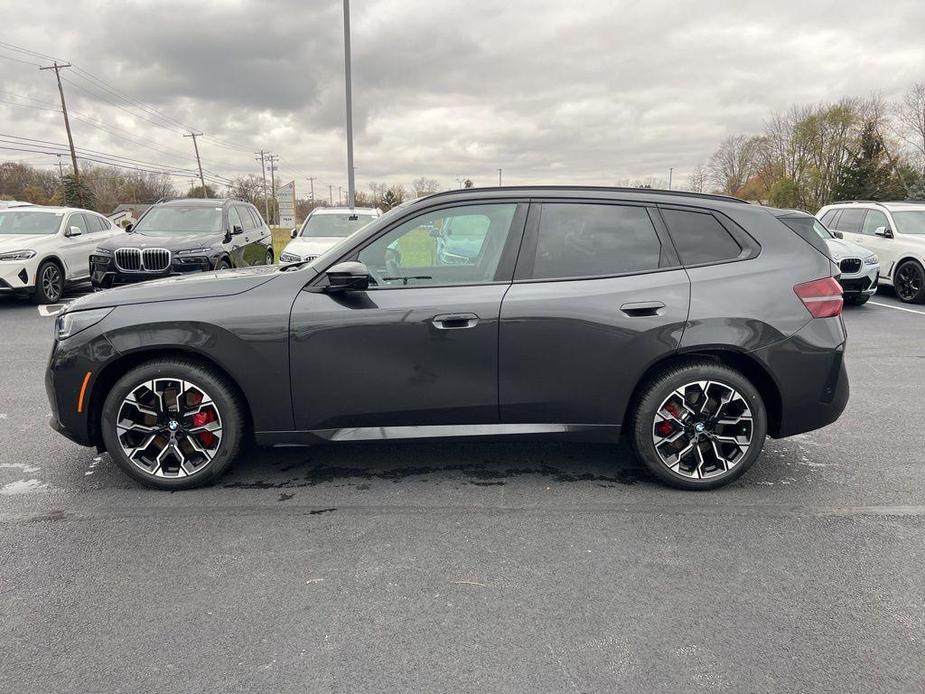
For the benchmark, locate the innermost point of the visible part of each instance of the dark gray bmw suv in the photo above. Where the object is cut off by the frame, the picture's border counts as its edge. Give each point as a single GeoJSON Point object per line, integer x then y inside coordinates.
{"type": "Point", "coordinates": [696, 325]}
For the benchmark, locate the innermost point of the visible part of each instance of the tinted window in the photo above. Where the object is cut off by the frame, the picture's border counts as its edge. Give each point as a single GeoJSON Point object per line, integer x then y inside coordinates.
{"type": "Point", "coordinates": [700, 238]}
{"type": "Point", "coordinates": [873, 220]}
{"type": "Point", "coordinates": [850, 220]}
{"type": "Point", "coordinates": [577, 240]}
{"type": "Point", "coordinates": [234, 220]}
{"type": "Point", "coordinates": [810, 230]}
{"type": "Point", "coordinates": [828, 217]}
{"type": "Point", "coordinates": [246, 219]}
{"type": "Point", "coordinates": [460, 245]}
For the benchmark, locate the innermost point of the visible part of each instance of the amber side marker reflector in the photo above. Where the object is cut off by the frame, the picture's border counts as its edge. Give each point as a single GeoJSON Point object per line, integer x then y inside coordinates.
{"type": "Point", "coordinates": [83, 390]}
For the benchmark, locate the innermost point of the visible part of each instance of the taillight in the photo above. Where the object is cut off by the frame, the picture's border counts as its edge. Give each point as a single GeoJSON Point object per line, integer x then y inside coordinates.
{"type": "Point", "coordinates": [822, 298]}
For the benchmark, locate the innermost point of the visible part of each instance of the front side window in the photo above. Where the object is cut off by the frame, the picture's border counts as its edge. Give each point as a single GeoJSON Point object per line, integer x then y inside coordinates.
{"type": "Point", "coordinates": [460, 245]}
{"type": "Point", "coordinates": [911, 222]}
{"type": "Point", "coordinates": [334, 225]}
{"type": "Point", "coordinates": [29, 222]}
{"type": "Point", "coordinates": [181, 220]}
{"type": "Point", "coordinates": [246, 220]}
{"type": "Point", "coordinates": [587, 240]}
{"type": "Point", "coordinates": [874, 220]}
{"type": "Point", "coordinates": [850, 220]}
{"type": "Point", "coordinates": [79, 221]}
{"type": "Point", "coordinates": [93, 223]}
{"type": "Point", "coordinates": [700, 238]}
{"type": "Point", "coordinates": [234, 220]}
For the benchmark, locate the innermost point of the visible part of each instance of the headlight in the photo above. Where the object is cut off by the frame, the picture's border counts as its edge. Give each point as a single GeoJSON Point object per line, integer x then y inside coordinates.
{"type": "Point", "coordinates": [17, 255]}
{"type": "Point", "coordinates": [871, 260]}
{"type": "Point", "coordinates": [72, 322]}
{"type": "Point", "coordinates": [102, 251]}
{"type": "Point", "coordinates": [188, 251]}
{"type": "Point", "coordinates": [289, 258]}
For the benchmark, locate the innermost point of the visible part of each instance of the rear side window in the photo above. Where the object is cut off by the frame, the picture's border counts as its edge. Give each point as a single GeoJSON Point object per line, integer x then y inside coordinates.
{"type": "Point", "coordinates": [850, 220]}
{"type": "Point", "coordinates": [258, 221]}
{"type": "Point", "coordinates": [578, 240]}
{"type": "Point", "coordinates": [810, 230]}
{"type": "Point", "coordinates": [700, 238]}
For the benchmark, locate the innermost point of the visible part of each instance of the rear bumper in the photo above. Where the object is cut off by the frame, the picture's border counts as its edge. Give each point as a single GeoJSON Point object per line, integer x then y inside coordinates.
{"type": "Point", "coordinates": [809, 370]}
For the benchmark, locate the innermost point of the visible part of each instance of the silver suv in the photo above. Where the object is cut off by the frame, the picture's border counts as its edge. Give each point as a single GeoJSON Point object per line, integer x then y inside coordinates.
{"type": "Point", "coordinates": [895, 231]}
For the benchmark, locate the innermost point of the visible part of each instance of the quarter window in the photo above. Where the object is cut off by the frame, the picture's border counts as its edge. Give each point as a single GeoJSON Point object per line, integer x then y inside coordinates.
{"type": "Point", "coordinates": [700, 238]}
{"type": "Point", "coordinates": [587, 240]}
{"type": "Point", "coordinates": [460, 245]}
{"type": "Point", "coordinates": [874, 220]}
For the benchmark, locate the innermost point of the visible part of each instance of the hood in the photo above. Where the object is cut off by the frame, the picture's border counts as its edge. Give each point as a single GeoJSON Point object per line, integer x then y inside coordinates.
{"type": "Point", "coordinates": [839, 248]}
{"type": "Point", "coordinates": [20, 242]}
{"type": "Point", "coordinates": [173, 242]}
{"type": "Point", "coordinates": [312, 246]}
{"type": "Point", "coordinates": [195, 286]}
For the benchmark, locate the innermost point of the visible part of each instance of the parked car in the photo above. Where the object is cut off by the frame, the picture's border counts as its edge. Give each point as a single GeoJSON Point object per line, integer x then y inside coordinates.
{"type": "Point", "coordinates": [859, 269]}
{"type": "Point", "coordinates": [177, 237]}
{"type": "Point", "coordinates": [895, 231]}
{"type": "Point", "coordinates": [694, 324]}
{"type": "Point", "coordinates": [323, 228]}
{"type": "Point", "coordinates": [43, 250]}
{"type": "Point", "coordinates": [14, 203]}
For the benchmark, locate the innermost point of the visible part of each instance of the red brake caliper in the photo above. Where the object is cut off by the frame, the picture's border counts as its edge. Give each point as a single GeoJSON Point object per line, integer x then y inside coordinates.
{"type": "Point", "coordinates": [200, 419]}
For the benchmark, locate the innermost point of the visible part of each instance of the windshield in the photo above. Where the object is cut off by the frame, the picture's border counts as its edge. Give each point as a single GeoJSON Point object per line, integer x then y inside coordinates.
{"type": "Point", "coordinates": [181, 220]}
{"type": "Point", "coordinates": [30, 222]}
{"type": "Point", "coordinates": [910, 222]}
{"type": "Point", "coordinates": [341, 225]}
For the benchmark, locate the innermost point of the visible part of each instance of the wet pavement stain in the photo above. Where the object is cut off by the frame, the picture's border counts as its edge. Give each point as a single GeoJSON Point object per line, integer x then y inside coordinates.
{"type": "Point", "coordinates": [283, 496]}
{"type": "Point", "coordinates": [320, 511]}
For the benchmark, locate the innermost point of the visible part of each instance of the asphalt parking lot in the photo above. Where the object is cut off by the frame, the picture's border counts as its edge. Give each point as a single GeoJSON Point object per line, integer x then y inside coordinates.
{"type": "Point", "coordinates": [461, 566]}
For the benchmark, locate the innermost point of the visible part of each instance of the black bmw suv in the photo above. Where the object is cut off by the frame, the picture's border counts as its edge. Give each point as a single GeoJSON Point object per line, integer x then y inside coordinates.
{"type": "Point", "coordinates": [695, 325]}
{"type": "Point", "coordinates": [176, 237]}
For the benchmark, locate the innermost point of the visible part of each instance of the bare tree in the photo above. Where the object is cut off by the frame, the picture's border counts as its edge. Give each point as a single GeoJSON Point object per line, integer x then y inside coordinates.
{"type": "Point", "coordinates": [733, 163]}
{"type": "Point", "coordinates": [910, 120]}
{"type": "Point", "coordinates": [697, 181]}
{"type": "Point", "coordinates": [424, 186]}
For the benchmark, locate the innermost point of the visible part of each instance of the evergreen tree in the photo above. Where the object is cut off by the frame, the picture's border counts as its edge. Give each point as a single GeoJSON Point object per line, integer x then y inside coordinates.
{"type": "Point", "coordinates": [869, 174]}
{"type": "Point", "coordinates": [78, 194]}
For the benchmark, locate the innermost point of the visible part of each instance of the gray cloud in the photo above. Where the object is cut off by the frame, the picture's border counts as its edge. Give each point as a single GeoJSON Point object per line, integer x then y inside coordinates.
{"type": "Point", "coordinates": [596, 91]}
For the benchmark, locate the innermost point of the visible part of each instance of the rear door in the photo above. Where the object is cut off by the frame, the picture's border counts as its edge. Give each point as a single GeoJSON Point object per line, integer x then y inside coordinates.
{"type": "Point", "coordinates": [598, 296]}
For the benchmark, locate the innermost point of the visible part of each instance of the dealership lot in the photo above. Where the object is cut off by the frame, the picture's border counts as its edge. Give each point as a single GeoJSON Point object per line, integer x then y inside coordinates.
{"type": "Point", "coordinates": [444, 565]}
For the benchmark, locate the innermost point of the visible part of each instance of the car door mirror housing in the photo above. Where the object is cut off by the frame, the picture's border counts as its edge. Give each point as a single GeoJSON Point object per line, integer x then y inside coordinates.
{"type": "Point", "coordinates": [885, 232]}
{"type": "Point", "coordinates": [348, 277]}
{"type": "Point", "coordinates": [838, 234]}
{"type": "Point", "coordinates": [235, 230]}
{"type": "Point", "coordinates": [294, 233]}
{"type": "Point", "coordinates": [128, 228]}
{"type": "Point", "coordinates": [73, 231]}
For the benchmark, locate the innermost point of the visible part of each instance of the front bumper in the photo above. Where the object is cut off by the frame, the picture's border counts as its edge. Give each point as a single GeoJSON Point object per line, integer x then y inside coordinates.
{"type": "Point", "coordinates": [863, 282]}
{"type": "Point", "coordinates": [104, 274]}
{"type": "Point", "coordinates": [17, 276]}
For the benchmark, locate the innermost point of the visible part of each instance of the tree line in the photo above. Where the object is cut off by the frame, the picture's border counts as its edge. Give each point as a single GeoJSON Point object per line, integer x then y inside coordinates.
{"type": "Point", "coordinates": [809, 156]}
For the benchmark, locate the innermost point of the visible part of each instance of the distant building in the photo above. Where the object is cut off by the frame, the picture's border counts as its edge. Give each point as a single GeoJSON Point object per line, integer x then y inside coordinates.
{"type": "Point", "coordinates": [127, 213]}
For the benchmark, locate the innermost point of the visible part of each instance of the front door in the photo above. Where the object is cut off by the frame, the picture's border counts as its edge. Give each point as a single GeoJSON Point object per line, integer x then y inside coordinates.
{"type": "Point", "coordinates": [77, 249]}
{"type": "Point", "coordinates": [885, 248]}
{"type": "Point", "coordinates": [420, 346]}
{"type": "Point", "coordinates": [237, 247]}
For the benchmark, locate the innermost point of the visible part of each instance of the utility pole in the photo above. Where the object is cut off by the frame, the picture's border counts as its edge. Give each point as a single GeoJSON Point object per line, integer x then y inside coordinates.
{"type": "Point", "coordinates": [351, 187]}
{"type": "Point", "coordinates": [331, 194]}
{"type": "Point", "coordinates": [670, 172]}
{"type": "Point", "coordinates": [499, 177]}
{"type": "Point", "coordinates": [60, 168]}
{"type": "Point", "coordinates": [340, 195]}
{"type": "Point", "coordinates": [272, 159]}
{"type": "Point", "coordinates": [266, 201]}
{"type": "Point", "coordinates": [67, 124]}
{"type": "Point", "coordinates": [198, 162]}
{"type": "Point", "coordinates": [311, 182]}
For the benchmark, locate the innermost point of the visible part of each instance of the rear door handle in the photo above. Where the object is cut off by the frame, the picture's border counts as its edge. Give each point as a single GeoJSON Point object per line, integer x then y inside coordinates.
{"type": "Point", "coordinates": [455, 321]}
{"type": "Point", "coordinates": [639, 309]}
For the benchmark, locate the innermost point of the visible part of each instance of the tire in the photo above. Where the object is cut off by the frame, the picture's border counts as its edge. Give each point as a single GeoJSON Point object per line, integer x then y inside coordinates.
{"type": "Point", "coordinates": [49, 283]}
{"type": "Point", "coordinates": [856, 299]}
{"type": "Point", "coordinates": [909, 282]}
{"type": "Point", "coordinates": [713, 470]}
{"type": "Point", "coordinates": [205, 459]}
{"type": "Point", "coordinates": [270, 260]}
{"type": "Point", "coordinates": [223, 264]}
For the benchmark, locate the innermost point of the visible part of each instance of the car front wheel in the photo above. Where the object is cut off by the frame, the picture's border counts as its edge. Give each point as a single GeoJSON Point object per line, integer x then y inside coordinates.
{"type": "Point", "coordinates": [172, 424]}
{"type": "Point", "coordinates": [49, 283]}
{"type": "Point", "coordinates": [910, 282]}
{"type": "Point", "coordinates": [699, 425]}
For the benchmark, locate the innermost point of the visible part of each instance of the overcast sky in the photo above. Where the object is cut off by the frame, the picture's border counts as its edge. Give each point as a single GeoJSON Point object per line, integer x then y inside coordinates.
{"type": "Point", "coordinates": [587, 91]}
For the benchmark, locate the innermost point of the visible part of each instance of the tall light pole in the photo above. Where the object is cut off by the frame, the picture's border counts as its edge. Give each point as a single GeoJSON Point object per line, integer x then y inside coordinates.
{"type": "Point", "coordinates": [499, 177]}
{"type": "Point", "coordinates": [670, 172]}
{"type": "Point", "coordinates": [351, 187]}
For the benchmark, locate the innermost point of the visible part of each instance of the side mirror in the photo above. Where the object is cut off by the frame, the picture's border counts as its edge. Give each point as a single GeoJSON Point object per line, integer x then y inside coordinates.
{"type": "Point", "coordinates": [885, 232]}
{"type": "Point", "coordinates": [348, 277]}
{"type": "Point", "coordinates": [73, 231]}
{"type": "Point", "coordinates": [235, 230]}
{"type": "Point", "coordinates": [129, 227]}
{"type": "Point", "coordinates": [294, 233]}
{"type": "Point", "coordinates": [838, 234]}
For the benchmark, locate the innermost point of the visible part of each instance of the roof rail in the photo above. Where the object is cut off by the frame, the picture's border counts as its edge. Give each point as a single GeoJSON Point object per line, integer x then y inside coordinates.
{"type": "Point", "coordinates": [644, 191]}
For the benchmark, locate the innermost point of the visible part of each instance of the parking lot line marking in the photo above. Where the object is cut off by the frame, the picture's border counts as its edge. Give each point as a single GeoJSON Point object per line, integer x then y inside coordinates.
{"type": "Point", "coordinates": [897, 308]}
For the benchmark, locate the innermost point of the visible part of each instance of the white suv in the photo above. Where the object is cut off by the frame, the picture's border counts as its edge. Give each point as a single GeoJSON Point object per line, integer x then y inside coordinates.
{"type": "Point", "coordinates": [45, 249]}
{"type": "Point", "coordinates": [895, 231]}
{"type": "Point", "coordinates": [323, 229]}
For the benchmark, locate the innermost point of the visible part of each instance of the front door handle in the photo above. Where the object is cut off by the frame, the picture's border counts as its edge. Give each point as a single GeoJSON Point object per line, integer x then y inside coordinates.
{"type": "Point", "coordinates": [455, 321]}
{"type": "Point", "coordinates": [639, 309]}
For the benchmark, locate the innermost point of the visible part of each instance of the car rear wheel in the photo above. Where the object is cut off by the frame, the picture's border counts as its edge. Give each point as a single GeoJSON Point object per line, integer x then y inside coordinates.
{"type": "Point", "coordinates": [910, 282]}
{"type": "Point", "coordinates": [223, 264]}
{"type": "Point", "coordinates": [699, 425]}
{"type": "Point", "coordinates": [49, 283]}
{"type": "Point", "coordinates": [269, 258]}
{"type": "Point", "coordinates": [172, 424]}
